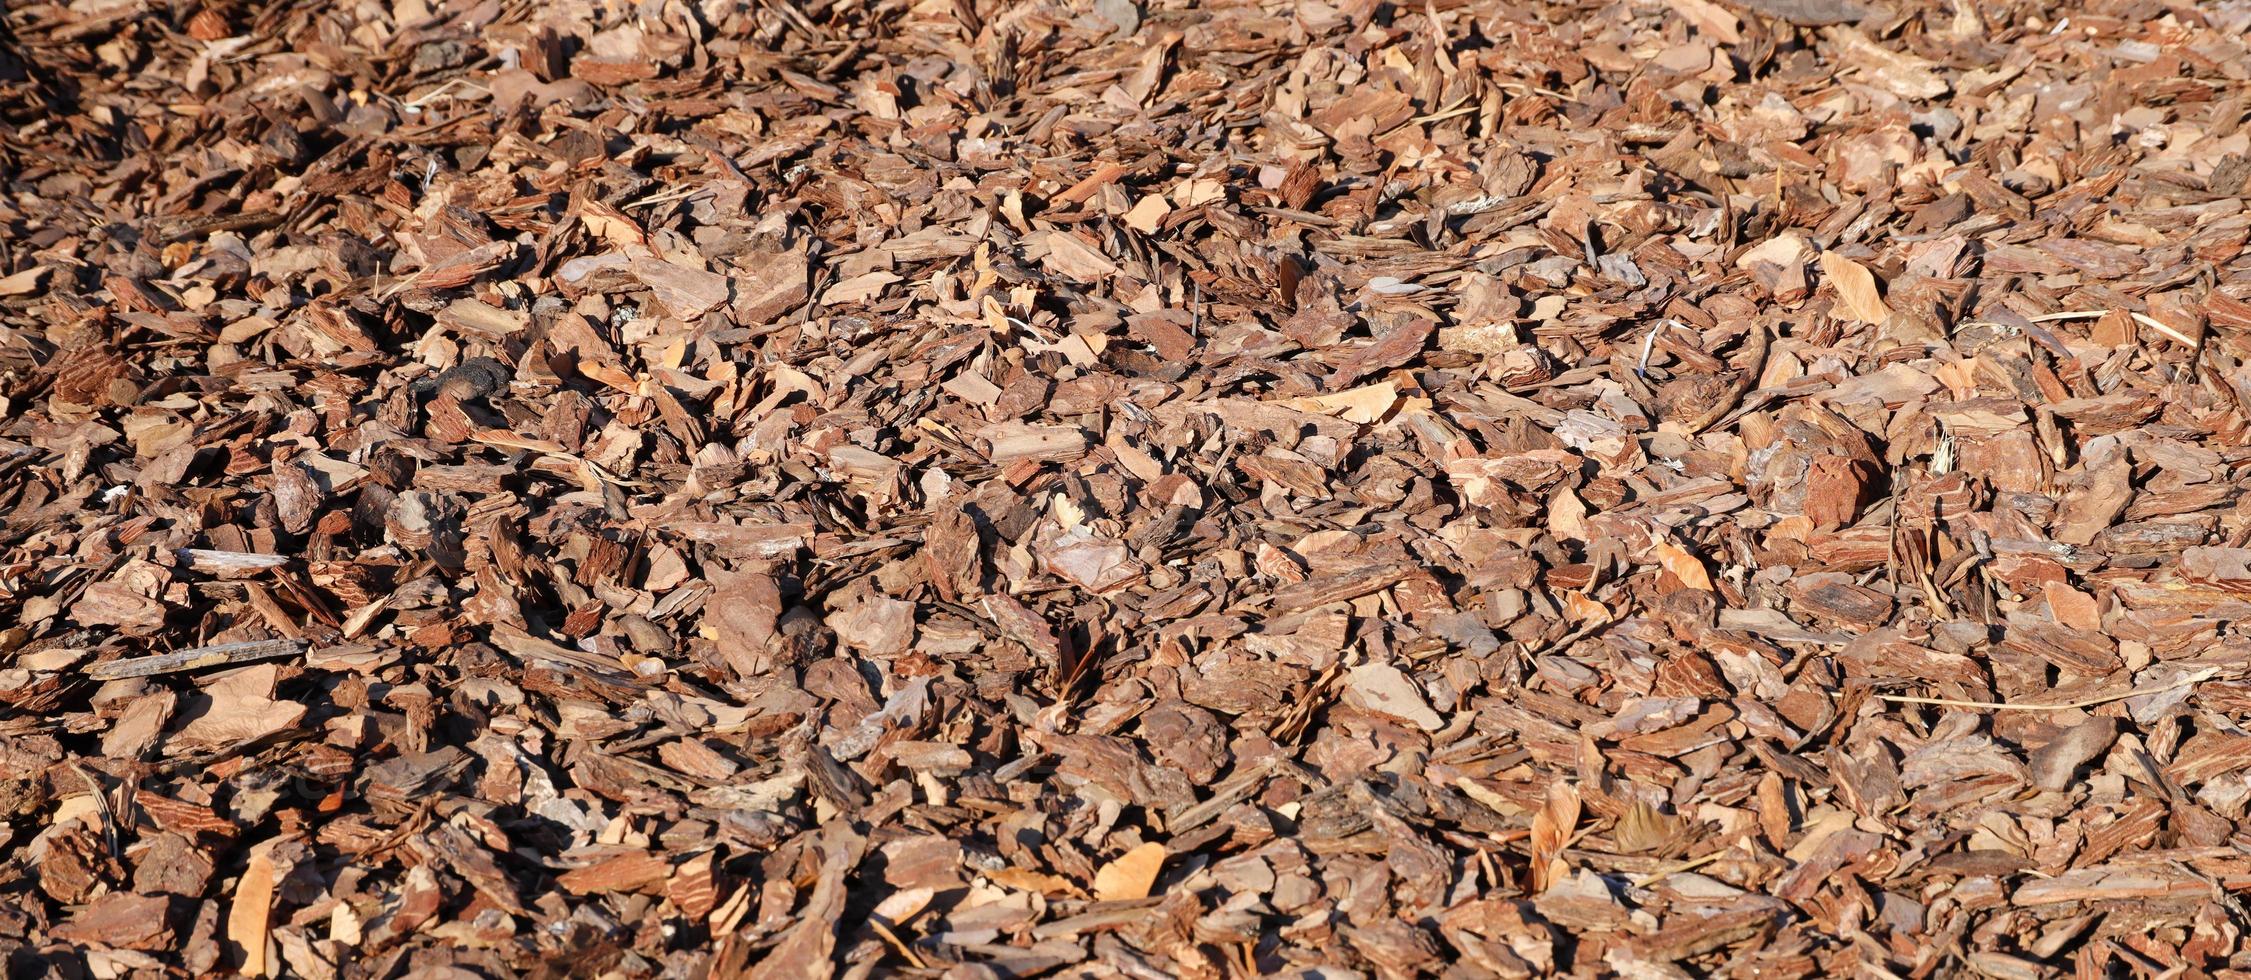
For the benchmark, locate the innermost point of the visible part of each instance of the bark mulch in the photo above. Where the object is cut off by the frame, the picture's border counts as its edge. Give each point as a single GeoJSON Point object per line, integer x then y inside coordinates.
{"type": "Point", "coordinates": [1124, 488]}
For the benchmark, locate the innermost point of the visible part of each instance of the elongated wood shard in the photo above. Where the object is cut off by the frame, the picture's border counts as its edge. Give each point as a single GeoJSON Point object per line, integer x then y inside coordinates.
{"type": "Point", "coordinates": [199, 658]}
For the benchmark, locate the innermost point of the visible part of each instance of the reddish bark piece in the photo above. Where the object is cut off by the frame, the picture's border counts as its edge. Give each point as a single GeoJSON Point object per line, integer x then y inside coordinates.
{"type": "Point", "coordinates": [628, 872]}
{"type": "Point", "coordinates": [122, 920]}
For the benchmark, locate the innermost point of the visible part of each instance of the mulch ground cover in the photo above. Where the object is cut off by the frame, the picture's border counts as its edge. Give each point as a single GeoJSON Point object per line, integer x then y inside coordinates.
{"type": "Point", "coordinates": [1124, 488]}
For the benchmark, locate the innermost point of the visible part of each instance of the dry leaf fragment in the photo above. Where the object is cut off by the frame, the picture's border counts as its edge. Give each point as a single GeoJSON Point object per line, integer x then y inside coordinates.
{"type": "Point", "coordinates": [1684, 566]}
{"type": "Point", "coordinates": [1386, 690]}
{"type": "Point", "coordinates": [253, 903]}
{"type": "Point", "coordinates": [1131, 875]}
{"type": "Point", "coordinates": [1644, 828]}
{"type": "Point", "coordinates": [1552, 827]}
{"type": "Point", "coordinates": [1856, 286]}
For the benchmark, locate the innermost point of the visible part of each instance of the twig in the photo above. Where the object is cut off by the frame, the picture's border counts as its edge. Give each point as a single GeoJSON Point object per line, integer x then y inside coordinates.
{"type": "Point", "coordinates": [1530, 651]}
{"type": "Point", "coordinates": [2196, 678]}
{"type": "Point", "coordinates": [444, 91]}
{"type": "Point", "coordinates": [2042, 318]}
{"type": "Point", "coordinates": [1754, 364]}
{"type": "Point", "coordinates": [102, 806]}
{"type": "Point", "coordinates": [1689, 865]}
{"type": "Point", "coordinates": [2155, 324]}
{"type": "Point", "coordinates": [1649, 343]}
{"type": "Point", "coordinates": [199, 657]}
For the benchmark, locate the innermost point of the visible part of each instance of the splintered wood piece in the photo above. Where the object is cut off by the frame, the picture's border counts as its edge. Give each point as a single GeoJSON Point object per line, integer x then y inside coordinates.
{"type": "Point", "coordinates": [230, 562]}
{"type": "Point", "coordinates": [1017, 443]}
{"type": "Point", "coordinates": [1337, 587]}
